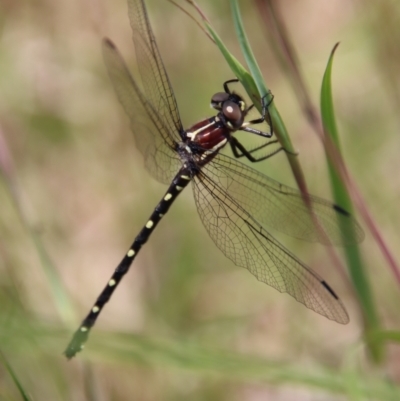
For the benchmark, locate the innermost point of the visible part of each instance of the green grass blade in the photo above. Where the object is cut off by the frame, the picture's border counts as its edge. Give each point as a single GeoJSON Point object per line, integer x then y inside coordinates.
{"type": "Point", "coordinates": [381, 337]}
{"type": "Point", "coordinates": [278, 124]}
{"type": "Point", "coordinates": [59, 293]}
{"type": "Point", "coordinates": [58, 290]}
{"type": "Point", "coordinates": [240, 72]}
{"type": "Point", "coordinates": [246, 50]}
{"type": "Point", "coordinates": [256, 89]}
{"type": "Point", "coordinates": [355, 264]}
{"type": "Point", "coordinates": [17, 382]}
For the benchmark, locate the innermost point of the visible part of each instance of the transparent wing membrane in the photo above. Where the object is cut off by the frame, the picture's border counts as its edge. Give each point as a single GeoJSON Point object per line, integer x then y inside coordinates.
{"type": "Point", "coordinates": [152, 135]}
{"type": "Point", "coordinates": [157, 87]}
{"type": "Point", "coordinates": [243, 240]}
{"type": "Point", "coordinates": [280, 207]}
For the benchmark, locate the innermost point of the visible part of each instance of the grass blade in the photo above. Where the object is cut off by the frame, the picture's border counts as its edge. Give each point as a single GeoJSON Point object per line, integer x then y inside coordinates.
{"type": "Point", "coordinates": [24, 394]}
{"type": "Point", "coordinates": [355, 264]}
{"type": "Point", "coordinates": [256, 89]}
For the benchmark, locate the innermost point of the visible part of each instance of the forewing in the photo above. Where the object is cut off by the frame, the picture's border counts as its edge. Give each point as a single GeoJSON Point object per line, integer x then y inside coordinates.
{"type": "Point", "coordinates": [281, 207]}
{"type": "Point", "coordinates": [157, 87]}
{"type": "Point", "coordinates": [248, 245]}
{"type": "Point", "coordinates": [152, 135]}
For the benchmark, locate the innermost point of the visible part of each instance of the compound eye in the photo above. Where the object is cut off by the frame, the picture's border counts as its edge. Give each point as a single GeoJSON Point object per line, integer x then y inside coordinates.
{"type": "Point", "coordinates": [218, 99]}
{"type": "Point", "coordinates": [232, 111]}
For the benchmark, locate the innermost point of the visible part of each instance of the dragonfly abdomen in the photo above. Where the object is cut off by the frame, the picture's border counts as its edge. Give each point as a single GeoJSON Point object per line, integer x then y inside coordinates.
{"type": "Point", "coordinates": [180, 181]}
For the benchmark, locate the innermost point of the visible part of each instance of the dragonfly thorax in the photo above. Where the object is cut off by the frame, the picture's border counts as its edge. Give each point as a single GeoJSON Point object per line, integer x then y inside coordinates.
{"type": "Point", "coordinates": [210, 134]}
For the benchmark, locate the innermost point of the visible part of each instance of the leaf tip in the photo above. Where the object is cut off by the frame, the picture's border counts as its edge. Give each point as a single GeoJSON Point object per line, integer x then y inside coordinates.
{"type": "Point", "coordinates": [334, 48]}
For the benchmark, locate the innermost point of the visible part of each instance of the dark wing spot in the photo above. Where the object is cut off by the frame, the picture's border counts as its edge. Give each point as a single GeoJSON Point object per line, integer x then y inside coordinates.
{"type": "Point", "coordinates": [341, 210]}
{"type": "Point", "coordinates": [325, 284]}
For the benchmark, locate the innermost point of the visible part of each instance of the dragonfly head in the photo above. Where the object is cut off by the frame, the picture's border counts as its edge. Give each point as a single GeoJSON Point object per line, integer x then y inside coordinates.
{"type": "Point", "coordinates": [231, 107]}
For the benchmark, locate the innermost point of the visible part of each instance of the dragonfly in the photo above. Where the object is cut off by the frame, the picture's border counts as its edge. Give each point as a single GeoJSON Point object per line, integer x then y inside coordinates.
{"type": "Point", "coordinates": [235, 202]}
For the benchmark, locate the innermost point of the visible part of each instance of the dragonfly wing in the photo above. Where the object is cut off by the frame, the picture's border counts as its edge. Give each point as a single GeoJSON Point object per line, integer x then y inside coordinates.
{"type": "Point", "coordinates": [156, 85]}
{"type": "Point", "coordinates": [152, 135]}
{"type": "Point", "coordinates": [249, 245]}
{"type": "Point", "coordinates": [281, 207]}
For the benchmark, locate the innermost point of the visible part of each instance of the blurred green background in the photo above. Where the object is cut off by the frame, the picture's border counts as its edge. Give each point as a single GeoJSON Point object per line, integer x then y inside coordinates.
{"type": "Point", "coordinates": [185, 323]}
